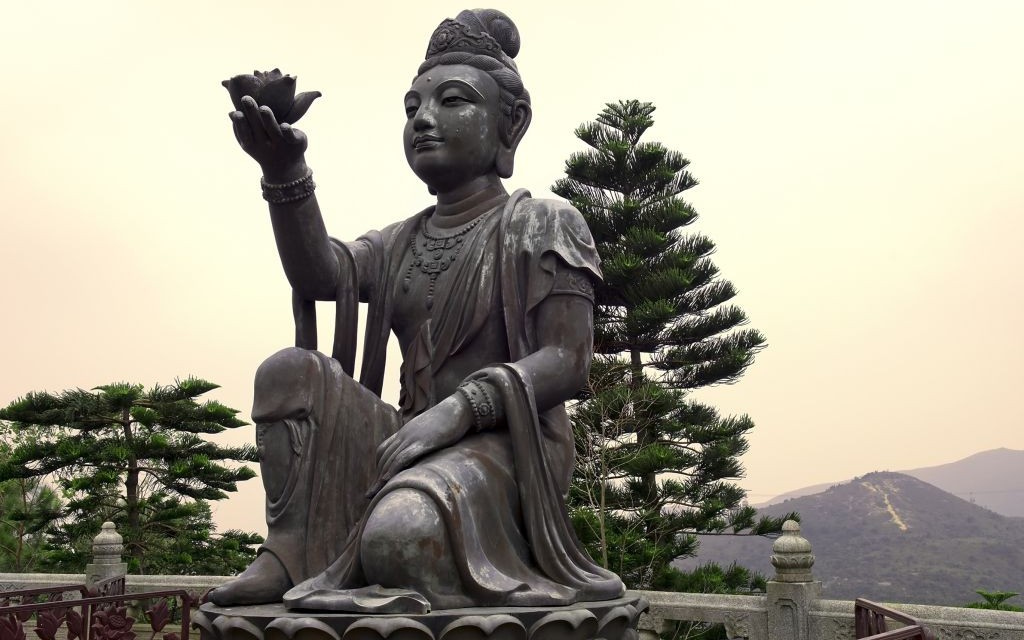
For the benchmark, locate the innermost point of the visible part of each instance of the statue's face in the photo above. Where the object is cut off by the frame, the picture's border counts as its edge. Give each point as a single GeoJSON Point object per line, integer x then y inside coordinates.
{"type": "Point", "coordinates": [452, 132]}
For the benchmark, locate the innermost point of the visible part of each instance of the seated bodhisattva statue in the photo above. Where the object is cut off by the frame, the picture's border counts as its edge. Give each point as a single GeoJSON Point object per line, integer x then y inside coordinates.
{"type": "Point", "coordinates": [457, 498]}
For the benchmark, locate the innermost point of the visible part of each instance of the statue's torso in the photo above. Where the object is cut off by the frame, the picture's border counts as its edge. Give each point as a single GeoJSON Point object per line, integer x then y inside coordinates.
{"type": "Point", "coordinates": [447, 306]}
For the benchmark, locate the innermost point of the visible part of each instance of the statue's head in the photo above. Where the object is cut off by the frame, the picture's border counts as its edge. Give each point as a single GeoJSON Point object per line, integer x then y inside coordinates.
{"type": "Point", "coordinates": [467, 107]}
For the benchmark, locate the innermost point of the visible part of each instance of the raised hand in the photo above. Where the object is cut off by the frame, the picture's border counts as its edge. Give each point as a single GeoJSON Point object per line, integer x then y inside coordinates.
{"type": "Point", "coordinates": [279, 148]}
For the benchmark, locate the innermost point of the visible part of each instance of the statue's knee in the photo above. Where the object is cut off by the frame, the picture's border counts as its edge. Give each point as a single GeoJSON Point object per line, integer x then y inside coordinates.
{"type": "Point", "coordinates": [402, 526]}
{"type": "Point", "coordinates": [286, 385]}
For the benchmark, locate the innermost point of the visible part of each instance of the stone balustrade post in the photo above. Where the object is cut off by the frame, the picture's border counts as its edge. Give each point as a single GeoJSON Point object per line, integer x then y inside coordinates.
{"type": "Point", "coordinates": [106, 556]}
{"type": "Point", "coordinates": [793, 590]}
{"type": "Point", "coordinates": [646, 630]}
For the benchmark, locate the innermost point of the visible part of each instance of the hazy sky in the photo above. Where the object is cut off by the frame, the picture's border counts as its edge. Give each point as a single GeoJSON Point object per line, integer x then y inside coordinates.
{"type": "Point", "coordinates": [860, 168]}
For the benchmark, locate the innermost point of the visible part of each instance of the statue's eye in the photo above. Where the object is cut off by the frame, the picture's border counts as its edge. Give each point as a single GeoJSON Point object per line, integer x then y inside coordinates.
{"type": "Point", "coordinates": [410, 110]}
{"type": "Point", "coordinates": [452, 101]}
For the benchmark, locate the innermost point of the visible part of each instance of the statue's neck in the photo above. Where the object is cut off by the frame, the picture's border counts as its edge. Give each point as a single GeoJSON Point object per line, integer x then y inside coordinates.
{"type": "Point", "coordinates": [458, 212]}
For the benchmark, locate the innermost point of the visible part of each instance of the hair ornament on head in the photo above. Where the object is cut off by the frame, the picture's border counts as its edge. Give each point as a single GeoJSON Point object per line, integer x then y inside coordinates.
{"type": "Point", "coordinates": [477, 32]}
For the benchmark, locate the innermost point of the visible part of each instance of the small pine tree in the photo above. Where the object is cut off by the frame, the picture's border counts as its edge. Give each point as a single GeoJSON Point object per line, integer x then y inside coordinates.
{"type": "Point", "coordinates": [129, 455]}
{"type": "Point", "coordinates": [653, 466]}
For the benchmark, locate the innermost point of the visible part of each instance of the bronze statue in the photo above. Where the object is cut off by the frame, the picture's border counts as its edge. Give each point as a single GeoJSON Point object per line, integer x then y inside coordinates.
{"type": "Point", "coordinates": [457, 498]}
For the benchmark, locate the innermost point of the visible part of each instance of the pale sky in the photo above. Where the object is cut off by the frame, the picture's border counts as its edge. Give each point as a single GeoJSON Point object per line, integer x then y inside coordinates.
{"type": "Point", "coordinates": [859, 163]}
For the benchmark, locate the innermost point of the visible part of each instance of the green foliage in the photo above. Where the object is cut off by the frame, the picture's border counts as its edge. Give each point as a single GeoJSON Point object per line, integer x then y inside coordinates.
{"type": "Point", "coordinates": [995, 600]}
{"type": "Point", "coordinates": [135, 457]}
{"type": "Point", "coordinates": [708, 578]}
{"type": "Point", "coordinates": [654, 467]}
{"type": "Point", "coordinates": [194, 549]}
{"type": "Point", "coordinates": [27, 508]}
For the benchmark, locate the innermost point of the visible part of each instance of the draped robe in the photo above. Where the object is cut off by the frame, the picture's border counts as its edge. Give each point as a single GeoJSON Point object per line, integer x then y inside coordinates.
{"type": "Point", "coordinates": [500, 493]}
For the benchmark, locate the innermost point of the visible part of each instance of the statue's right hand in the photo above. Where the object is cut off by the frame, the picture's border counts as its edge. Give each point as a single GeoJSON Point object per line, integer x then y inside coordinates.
{"type": "Point", "coordinates": [278, 148]}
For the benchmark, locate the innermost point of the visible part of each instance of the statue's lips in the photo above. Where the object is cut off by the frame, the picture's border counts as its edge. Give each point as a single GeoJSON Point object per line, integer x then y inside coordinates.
{"type": "Point", "coordinates": [422, 143]}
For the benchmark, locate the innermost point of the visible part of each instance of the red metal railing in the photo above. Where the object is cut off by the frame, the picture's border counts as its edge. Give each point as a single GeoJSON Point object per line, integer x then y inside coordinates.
{"type": "Point", "coordinates": [98, 617]}
{"type": "Point", "coordinates": [110, 587]}
{"type": "Point", "coordinates": [869, 620]}
{"type": "Point", "coordinates": [30, 596]}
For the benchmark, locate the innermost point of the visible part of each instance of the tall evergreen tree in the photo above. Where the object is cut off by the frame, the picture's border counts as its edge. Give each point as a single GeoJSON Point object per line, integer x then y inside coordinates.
{"type": "Point", "coordinates": [130, 455]}
{"type": "Point", "coordinates": [654, 467]}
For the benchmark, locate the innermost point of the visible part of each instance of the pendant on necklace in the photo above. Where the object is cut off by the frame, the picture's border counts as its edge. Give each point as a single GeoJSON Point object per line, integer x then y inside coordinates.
{"type": "Point", "coordinates": [440, 251]}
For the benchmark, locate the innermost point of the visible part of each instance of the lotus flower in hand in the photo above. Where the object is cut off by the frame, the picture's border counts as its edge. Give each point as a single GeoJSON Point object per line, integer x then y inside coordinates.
{"type": "Point", "coordinates": [271, 89]}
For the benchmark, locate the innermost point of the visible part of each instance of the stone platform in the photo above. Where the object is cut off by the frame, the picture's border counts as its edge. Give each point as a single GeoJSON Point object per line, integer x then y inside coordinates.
{"type": "Point", "coordinates": [608, 620]}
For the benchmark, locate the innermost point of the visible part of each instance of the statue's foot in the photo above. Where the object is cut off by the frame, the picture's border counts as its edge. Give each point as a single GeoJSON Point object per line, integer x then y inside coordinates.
{"type": "Point", "coordinates": [264, 581]}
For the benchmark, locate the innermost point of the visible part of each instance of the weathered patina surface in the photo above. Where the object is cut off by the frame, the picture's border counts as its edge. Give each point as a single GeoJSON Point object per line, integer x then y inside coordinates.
{"type": "Point", "coordinates": [456, 498]}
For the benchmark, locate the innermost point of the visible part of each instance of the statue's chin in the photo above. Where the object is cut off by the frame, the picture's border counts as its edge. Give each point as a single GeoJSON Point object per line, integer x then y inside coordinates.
{"type": "Point", "coordinates": [440, 181]}
{"type": "Point", "coordinates": [435, 170]}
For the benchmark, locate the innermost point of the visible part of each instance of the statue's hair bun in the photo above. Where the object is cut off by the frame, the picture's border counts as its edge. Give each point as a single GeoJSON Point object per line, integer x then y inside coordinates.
{"type": "Point", "coordinates": [497, 24]}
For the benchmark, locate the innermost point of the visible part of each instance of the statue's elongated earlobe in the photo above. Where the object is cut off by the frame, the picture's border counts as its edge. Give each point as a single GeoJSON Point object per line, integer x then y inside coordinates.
{"type": "Point", "coordinates": [521, 116]}
{"type": "Point", "coordinates": [505, 162]}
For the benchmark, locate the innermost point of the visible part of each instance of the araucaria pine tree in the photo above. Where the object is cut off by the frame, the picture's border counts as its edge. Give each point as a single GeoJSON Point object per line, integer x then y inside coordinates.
{"type": "Point", "coordinates": [133, 456]}
{"type": "Point", "coordinates": [653, 467]}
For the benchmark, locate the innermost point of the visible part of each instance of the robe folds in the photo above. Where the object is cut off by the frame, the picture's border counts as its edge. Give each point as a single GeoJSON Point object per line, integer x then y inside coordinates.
{"type": "Point", "coordinates": [500, 493]}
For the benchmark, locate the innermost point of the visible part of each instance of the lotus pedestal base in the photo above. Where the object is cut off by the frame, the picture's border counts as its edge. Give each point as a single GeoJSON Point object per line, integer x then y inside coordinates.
{"type": "Point", "coordinates": [608, 620]}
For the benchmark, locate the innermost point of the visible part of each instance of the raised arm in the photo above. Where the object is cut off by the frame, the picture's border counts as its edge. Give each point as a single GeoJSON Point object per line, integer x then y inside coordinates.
{"type": "Point", "coordinates": [307, 257]}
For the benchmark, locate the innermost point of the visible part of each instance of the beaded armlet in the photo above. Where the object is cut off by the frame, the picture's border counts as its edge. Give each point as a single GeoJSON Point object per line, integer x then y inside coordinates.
{"type": "Point", "coordinates": [290, 191]}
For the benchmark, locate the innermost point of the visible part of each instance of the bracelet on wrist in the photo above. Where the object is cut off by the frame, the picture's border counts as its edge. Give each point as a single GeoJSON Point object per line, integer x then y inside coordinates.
{"type": "Point", "coordinates": [293, 191]}
{"type": "Point", "coordinates": [483, 402]}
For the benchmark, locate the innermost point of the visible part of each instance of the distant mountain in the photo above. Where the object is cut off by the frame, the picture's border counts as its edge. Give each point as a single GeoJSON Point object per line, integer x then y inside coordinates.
{"type": "Point", "coordinates": [893, 538]}
{"type": "Point", "coordinates": [798, 493]}
{"type": "Point", "coordinates": [993, 479]}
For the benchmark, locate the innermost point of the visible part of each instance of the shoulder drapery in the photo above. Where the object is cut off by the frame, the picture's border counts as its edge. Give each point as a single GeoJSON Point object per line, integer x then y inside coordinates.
{"type": "Point", "coordinates": [534, 234]}
{"type": "Point", "coordinates": [346, 318]}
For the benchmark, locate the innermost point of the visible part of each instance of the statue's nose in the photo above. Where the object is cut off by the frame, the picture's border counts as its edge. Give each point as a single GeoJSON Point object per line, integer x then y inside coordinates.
{"type": "Point", "coordinates": [424, 119]}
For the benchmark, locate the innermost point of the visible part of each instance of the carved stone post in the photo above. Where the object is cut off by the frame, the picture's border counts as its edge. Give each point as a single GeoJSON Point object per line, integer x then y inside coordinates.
{"type": "Point", "coordinates": [106, 556]}
{"type": "Point", "coordinates": [646, 631]}
{"type": "Point", "coordinates": [794, 588]}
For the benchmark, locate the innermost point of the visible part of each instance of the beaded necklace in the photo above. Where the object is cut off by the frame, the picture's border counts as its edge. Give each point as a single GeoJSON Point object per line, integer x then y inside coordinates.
{"type": "Point", "coordinates": [437, 254]}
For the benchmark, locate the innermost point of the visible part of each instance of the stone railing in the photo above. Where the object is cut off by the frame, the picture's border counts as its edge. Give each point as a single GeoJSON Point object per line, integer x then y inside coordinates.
{"type": "Point", "coordinates": [747, 617]}
{"type": "Point", "coordinates": [196, 585]}
{"type": "Point", "coordinates": [791, 608]}
{"type": "Point", "coordinates": [107, 568]}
